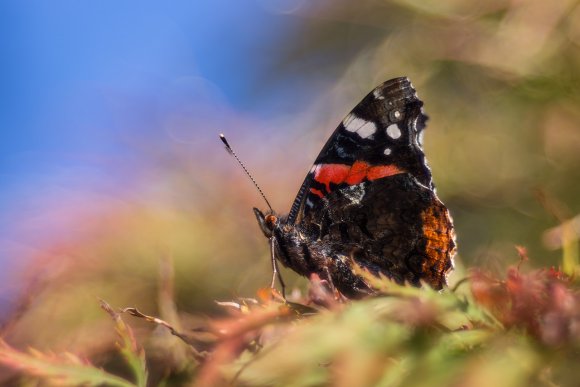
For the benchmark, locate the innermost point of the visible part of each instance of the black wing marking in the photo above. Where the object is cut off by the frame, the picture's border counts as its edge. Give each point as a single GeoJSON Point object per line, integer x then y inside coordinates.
{"type": "Point", "coordinates": [384, 128]}
{"type": "Point", "coordinates": [394, 225]}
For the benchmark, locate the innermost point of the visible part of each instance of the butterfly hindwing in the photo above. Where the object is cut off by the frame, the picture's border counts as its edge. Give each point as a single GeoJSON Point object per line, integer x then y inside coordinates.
{"type": "Point", "coordinates": [394, 226]}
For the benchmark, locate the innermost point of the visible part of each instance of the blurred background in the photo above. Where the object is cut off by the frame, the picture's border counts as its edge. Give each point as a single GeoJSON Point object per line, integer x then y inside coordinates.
{"type": "Point", "coordinates": [110, 160]}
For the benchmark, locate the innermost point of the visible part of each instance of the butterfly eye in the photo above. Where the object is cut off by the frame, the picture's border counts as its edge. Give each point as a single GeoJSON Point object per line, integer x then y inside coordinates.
{"type": "Point", "coordinates": [271, 221]}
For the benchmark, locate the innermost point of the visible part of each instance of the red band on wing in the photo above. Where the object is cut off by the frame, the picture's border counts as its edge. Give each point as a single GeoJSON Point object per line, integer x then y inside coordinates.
{"type": "Point", "coordinates": [317, 192]}
{"type": "Point", "coordinates": [331, 173]}
{"type": "Point", "coordinates": [383, 171]}
{"type": "Point", "coordinates": [351, 174]}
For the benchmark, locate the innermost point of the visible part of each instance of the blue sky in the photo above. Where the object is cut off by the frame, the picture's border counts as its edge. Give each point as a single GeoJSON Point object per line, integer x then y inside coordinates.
{"type": "Point", "coordinates": [61, 59]}
{"type": "Point", "coordinates": [58, 56]}
{"type": "Point", "coordinates": [78, 79]}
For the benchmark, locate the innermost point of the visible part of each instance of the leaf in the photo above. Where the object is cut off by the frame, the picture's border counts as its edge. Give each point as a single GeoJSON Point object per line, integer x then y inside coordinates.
{"type": "Point", "coordinates": [128, 347]}
{"type": "Point", "coordinates": [64, 369]}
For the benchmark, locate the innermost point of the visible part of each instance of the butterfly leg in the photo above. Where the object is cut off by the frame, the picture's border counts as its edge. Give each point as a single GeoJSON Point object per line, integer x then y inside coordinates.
{"type": "Point", "coordinates": [328, 278]}
{"type": "Point", "coordinates": [275, 271]}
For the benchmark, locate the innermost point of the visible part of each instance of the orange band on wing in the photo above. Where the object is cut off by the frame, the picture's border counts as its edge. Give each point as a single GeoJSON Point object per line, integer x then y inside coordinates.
{"type": "Point", "coordinates": [351, 174]}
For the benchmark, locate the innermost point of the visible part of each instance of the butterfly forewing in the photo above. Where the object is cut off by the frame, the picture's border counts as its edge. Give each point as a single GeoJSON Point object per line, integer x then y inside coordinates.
{"type": "Point", "coordinates": [380, 137]}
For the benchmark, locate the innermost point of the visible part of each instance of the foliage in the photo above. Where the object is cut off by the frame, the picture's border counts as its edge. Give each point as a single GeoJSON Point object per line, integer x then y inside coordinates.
{"type": "Point", "coordinates": [68, 369]}
{"type": "Point", "coordinates": [521, 330]}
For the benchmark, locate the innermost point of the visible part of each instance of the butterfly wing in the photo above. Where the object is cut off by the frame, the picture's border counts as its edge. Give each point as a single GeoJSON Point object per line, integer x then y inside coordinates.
{"type": "Point", "coordinates": [380, 137]}
{"type": "Point", "coordinates": [394, 226]}
{"type": "Point", "coordinates": [370, 196]}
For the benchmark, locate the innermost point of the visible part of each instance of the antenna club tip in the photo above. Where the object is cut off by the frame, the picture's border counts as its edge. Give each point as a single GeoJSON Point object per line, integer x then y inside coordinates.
{"type": "Point", "coordinates": [223, 138]}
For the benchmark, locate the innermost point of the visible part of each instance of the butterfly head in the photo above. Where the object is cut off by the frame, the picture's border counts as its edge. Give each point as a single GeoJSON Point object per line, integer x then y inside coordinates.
{"type": "Point", "coordinates": [268, 222]}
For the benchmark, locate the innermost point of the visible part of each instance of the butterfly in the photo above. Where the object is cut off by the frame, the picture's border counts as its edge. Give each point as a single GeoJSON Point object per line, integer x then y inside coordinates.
{"type": "Point", "coordinates": [368, 201]}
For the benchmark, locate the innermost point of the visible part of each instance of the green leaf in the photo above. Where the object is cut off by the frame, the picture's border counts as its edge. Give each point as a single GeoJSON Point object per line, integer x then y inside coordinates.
{"type": "Point", "coordinates": [64, 369]}
{"type": "Point", "coordinates": [128, 347]}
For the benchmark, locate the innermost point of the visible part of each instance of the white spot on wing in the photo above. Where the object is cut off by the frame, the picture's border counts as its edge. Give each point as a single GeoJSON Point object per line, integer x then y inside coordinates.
{"type": "Point", "coordinates": [395, 116]}
{"type": "Point", "coordinates": [393, 131]}
{"type": "Point", "coordinates": [367, 130]}
{"type": "Point", "coordinates": [363, 128]}
{"type": "Point", "coordinates": [377, 94]}
{"type": "Point", "coordinates": [347, 122]}
{"type": "Point", "coordinates": [387, 151]}
{"type": "Point", "coordinates": [354, 193]}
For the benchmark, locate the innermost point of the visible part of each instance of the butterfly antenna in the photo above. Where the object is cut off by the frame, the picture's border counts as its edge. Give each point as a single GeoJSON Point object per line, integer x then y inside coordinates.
{"type": "Point", "coordinates": [231, 151]}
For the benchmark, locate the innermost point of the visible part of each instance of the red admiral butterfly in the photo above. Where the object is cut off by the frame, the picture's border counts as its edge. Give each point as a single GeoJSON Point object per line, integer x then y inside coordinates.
{"type": "Point", "coordinates": [369, 199]}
